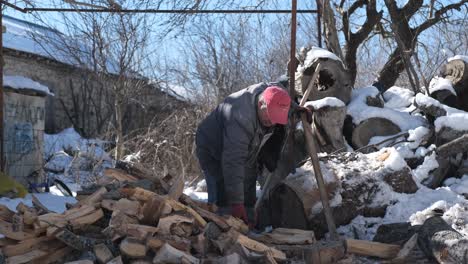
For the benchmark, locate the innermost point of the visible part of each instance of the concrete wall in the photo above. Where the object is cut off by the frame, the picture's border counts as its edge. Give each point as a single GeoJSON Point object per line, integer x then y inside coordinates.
{"type": "Point", "coordinates": [24, 119]}
{"type": "Point", "coordinates": [82, 101]}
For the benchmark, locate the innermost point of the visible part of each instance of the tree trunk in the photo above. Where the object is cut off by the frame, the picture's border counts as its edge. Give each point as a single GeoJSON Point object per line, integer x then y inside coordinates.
{"type": "Point", "coordinates": [119, 130]}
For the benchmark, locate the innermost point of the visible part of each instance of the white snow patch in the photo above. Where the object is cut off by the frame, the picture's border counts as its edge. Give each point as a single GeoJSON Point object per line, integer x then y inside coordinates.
{"type": "Point", "coordinates": [459, 186]}
{"type": "Point", "coordinates": [424, 100]}
{"type": "Point", "coordinates": [360, 111]}
{"type": "Point", "coordinates": [439, 84]}
{"type": "Point", "coordinates": [455, 121]}
{"type": "Point", "coordinates": [422, 171]}
{"type": "Point", "coordinates": [458, 57]}
{"type": "Point", "coordinates": [315, 54]}
{"type": "Point", "coordinates": [327, 101]}
{"type": "Point", "coordinates": [397, 97]}
{"type": "Point", "coordinates": [21, 82]}
{"type": "Point", "coordinates": [50, 201]}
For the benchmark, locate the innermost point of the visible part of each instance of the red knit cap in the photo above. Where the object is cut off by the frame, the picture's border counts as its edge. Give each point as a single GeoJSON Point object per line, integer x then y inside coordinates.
{"type": "Point", "coordinates": [278, 102]}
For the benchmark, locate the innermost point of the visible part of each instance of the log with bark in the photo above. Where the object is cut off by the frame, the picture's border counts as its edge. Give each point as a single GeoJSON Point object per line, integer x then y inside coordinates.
{"type": "Point", "coordinates": [354, 183]}
{"type": "Point", "coordinates": [440, 241]}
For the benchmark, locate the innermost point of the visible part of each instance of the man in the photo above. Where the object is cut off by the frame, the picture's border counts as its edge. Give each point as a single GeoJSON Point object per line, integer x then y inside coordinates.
{"type": "Point", "coordinates": [229, 140]}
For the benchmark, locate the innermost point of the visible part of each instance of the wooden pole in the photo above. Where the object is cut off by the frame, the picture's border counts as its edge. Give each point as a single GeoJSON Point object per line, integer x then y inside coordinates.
{"type": "Point", "coordinates": [319, 22]}
{"type": "Point", "coordinates": [311, 148]}
{"type": "Point", "coordinates": [292, 57]}
{"type": "Point", "coordinates": [2, 59]}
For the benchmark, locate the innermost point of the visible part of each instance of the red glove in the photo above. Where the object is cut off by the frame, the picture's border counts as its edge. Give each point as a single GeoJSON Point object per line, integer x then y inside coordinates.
{"type": "Point", "coordinates": [238, 210]}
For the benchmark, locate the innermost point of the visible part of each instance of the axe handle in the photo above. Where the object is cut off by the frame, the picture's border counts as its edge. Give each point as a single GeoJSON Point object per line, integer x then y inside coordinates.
{"type": "Point", "coordinates": [311, 148]}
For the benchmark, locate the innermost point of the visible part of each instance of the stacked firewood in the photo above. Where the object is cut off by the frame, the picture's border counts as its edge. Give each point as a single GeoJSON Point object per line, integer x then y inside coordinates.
{"type": "Point", "coordinates": [120, 222]}
{"type": "Point", "coordinates": [130, 219]}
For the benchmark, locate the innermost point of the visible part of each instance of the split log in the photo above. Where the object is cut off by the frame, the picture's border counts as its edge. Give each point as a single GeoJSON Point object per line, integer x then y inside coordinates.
{"type": "Point", "coordinates": [55, 256]}
{"type": "Point", "coordinates": [139, 171]}
{"type": "Point", "coordinates": [80, 243]}
{"type": "Point", "coordinates": [440, 241]}
{"type": "Point", "coordinates": [119, 175]}
{"type": "Point", "coordinates": [369, 248]}
{"type": "Point", "coordinates": [143, 195]}
{"type": "Point", "coordinates": [138, 232]}
{"type": "Point", "coordinates": [102, 252]}
{"type": "Point", "coordinates": [131, 208]}
{"type": "Point", "coordinates": [85, 261]}
{"type": "Point", "coordinates": [27, 257]}
{"type": "Point", "coordinates": [176, 225]}
{"type": "Point", "coordinates": [6, 229]}
{"type": "Point", "coordinates": [5, 213]}
{"type": "Point", "coordinates": [233, 237]}
{"type": "Point", "coordinates": [87, 219]}
{"type": "Point", "coordinates": [285, 236]}
{"type": "Point", "coordinates": [327, 252]}
{"type": "Point", "coordinates": [152, 210]}
{"type": "Point", "coordinates": [177, 242]}
{"type": "Point", "coordinates": [132, 248]}
{"type": "Point", "coordinates": [29, 213]}
{"type": "Point", "coordinates": [171, 255]}
{"type": "Point", "coordinates": [116, 260]}
{"type": "Point", "coordinates": [94, 198]}
{"type": "Point", "coordinates": [24, 246]}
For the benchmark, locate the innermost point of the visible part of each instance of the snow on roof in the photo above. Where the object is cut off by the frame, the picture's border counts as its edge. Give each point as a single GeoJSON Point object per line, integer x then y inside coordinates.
{"type": "Point", "coordinates": [458, 57]}
{"type": "Point", "coordinates": [21, 82]}
{"type": "Point", "coordinates": [439, 84]}
{"type": "Point", "coordinates": [360, 111]}
{"type": "Point", "coordinates": [46, 42]}
{"type": "Point", "coordinates": [177, 91]}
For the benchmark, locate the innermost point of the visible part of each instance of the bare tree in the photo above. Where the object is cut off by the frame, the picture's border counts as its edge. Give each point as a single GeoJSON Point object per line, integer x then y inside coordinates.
{"type": "Point", "coordinates": [361, 20]}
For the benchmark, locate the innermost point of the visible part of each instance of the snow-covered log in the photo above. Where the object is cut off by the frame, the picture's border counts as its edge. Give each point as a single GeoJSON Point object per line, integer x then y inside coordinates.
{"type": "Point", "coordinates": [356, 184]}
{"type": "Point", "coordinates": [440, 241]}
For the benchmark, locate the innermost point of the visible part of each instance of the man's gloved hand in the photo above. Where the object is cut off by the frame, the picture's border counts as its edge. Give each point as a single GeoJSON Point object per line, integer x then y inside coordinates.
{"type": "Point", "coordinates": [304, 109]}
{"type": "Point", "coordinates": [238, 210]}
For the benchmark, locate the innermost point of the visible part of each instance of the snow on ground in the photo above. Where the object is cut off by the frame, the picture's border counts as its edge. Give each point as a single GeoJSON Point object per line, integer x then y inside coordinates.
{"type": "Point", "coordinates": [51, 201]}
{"type": "Point", "coordinates": [21, 82]}
{"type": "Point", "coordinates": [75, 160]}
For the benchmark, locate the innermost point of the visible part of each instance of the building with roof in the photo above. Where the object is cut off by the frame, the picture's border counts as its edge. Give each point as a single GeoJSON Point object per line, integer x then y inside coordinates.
{"type": "Point", "coordinates": [82, 95]}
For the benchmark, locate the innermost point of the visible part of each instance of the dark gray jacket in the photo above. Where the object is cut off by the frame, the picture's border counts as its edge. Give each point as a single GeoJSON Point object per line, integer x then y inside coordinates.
{"type": "Point", "coordinates": [232, 134]}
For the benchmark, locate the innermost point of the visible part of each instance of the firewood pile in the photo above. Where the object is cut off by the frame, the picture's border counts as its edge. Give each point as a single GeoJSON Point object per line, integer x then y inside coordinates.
{"type": "Point", "coordinates": [127, 219]}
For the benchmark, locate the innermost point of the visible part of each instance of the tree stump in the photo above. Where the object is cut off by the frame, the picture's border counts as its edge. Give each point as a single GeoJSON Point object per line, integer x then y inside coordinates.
{"type": "Point", "coordinates": [457, 72]}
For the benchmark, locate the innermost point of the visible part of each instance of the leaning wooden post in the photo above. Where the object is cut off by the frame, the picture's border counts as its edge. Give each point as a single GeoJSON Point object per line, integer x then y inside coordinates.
{"type": "Point", "coordinates": [311, 148]}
